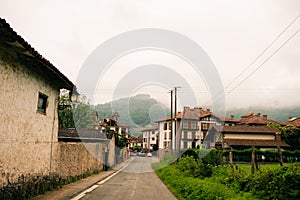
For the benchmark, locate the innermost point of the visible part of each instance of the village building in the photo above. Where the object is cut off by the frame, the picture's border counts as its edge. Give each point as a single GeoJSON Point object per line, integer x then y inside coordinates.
{"type": "Point", "coordinates": [29, 91]}
{"type": "Point", "coordinates": [134, 141]}
{"type": "Point", "coordinates": [164, 132]}
{"type": "Point", "coordinates": [196, 122]}
{"type": "Point", "coordinates": [122, 129]}
{"type": "Point", "coordinates": [252, 119]}
{"type": "Point", "coordinates": [150, 139]}
{"type": "Point", "coordinates": [294, 121]}
{"type": "Point", "coordinates": [244, 137]}
{"type": "Point", "coordinates": [190, 131]}
{"type": "Point", "coordinates": [32, 146]}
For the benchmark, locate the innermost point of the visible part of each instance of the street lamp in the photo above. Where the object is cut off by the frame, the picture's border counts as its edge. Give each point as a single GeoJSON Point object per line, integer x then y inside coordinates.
{"type": "Point", "coordinates": [75, 96]}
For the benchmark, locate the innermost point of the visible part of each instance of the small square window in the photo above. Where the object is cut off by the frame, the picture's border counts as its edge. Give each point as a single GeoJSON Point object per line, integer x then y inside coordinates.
{"type": "Point", "coordinates": [42, 103]}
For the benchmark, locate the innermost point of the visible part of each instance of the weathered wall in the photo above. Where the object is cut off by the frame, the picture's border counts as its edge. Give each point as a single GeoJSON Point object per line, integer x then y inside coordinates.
{"type": "Point", "coordinates": [29, 144]}
{"type": "Point", "coordinates": [25, 134]}
{"type": "Point", "coordinates": [75, 158]}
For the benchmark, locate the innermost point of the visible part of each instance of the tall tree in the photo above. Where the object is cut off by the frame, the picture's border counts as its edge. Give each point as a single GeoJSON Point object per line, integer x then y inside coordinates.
{"type": "Point", "coordinates": [79, 115]}
{"type": "Point", "coordinates": [289, 134]}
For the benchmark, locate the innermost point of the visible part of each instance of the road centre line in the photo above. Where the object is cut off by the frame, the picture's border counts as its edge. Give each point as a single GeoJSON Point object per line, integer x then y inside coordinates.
{"type": "Point", "coordinates": [93, 187]}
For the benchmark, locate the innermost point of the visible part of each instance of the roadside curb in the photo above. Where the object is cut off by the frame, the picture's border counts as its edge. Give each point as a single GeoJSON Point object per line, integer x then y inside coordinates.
{"type": "Point", "coordinates": [73, 189]}
{"type": "Point", "coordinates": [91, 186]}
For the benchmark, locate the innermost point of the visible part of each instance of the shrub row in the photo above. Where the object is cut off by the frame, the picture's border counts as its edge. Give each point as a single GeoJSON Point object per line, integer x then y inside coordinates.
{"type": "Point", "coordinates": [25, 189]}
{"type": "Point", "coordinates": [192, 178]}
{"type": "Point", "coordinates": [215, 157]}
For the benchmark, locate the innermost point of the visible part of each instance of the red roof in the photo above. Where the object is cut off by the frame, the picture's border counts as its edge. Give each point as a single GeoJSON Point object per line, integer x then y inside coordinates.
{"type": "Point", "coordinates": [251, 118]}
{"type": "Point", "coordinates": [178, 116]}
{"type": "Point", "coordinates": [294, 121]}
{"type": "Point", "coordinates": [135, 140]}
{"type": "Point", "coordinates": [246, 129]}
{"type": "Point", "coordinates": [258, 143]}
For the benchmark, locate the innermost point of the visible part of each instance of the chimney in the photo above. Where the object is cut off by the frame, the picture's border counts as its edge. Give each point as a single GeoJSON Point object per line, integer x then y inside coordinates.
{"type": "Point", "coordinates": [265, 117]}
{"type": "Point", "coordinates": [232, 117]}
{"type": "Point", "coordinates": [186, 108]}
{"type": "Point", "coordinates": [258, 114]}
{"type": "Point", "coordinates": [208, 109]}
{"type": "Point", "coordinates": [197, 109]}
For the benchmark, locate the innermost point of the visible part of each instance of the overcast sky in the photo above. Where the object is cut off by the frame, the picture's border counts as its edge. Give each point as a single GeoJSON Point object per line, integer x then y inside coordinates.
{"type": "Point", "coordinates": [232, 33]}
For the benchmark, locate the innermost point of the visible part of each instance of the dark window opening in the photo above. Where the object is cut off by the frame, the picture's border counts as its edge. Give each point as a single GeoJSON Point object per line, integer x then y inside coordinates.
{"type": "Point", "coordinates": [185, 145]}
{"type": "Point", "coordinates": [165, 126]}
{"type": "Point", "coordinates": [42, 103]}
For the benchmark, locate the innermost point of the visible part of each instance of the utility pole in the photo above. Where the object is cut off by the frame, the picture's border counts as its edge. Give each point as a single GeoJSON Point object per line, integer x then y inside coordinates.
{"type": "Point", "coordinates": [171, 119]}
{"type": "Point", "coordinates": [175, 111]}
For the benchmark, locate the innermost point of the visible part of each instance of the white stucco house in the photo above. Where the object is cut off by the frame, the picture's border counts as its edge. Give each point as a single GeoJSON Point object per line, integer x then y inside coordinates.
{"type": "Point", "coordinates": [29, 91]}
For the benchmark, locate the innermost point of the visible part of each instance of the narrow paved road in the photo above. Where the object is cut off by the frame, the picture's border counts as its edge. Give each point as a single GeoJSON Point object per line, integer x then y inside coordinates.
{"type": "Point", "coordinates": [136, 181]}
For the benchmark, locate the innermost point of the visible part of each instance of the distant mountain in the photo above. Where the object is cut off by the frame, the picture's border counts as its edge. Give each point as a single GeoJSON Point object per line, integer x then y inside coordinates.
{"type": "Point", "coordinates": [277, 114]}
{"type": "Point", "coordinates": [136, 111]}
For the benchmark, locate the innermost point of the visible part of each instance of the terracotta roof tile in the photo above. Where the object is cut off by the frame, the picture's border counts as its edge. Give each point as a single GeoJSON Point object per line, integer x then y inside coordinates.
{"type": "Point", "coordinates": [294, 122]}
{"type": "Point", "coordinates": [250, 118]}
{"type": "Point", "coordinates": [260, 143]}
{"type": "Point", "coordinates": [245, 129]}
{"type": "Point", "coordinates": [179, 116]}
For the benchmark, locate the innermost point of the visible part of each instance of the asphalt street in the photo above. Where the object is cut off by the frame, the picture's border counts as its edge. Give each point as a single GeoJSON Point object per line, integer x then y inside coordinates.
{"type": "Point", "coordinates": [136, 181]}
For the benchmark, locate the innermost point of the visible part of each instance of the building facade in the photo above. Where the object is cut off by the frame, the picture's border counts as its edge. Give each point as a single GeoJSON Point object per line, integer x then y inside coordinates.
{"type": "Point", "coordinates": [245, 136]}
{"type": "Point", "coordinates": [150, 139]}
{"type": "Point", "coordinates": [29, 91]}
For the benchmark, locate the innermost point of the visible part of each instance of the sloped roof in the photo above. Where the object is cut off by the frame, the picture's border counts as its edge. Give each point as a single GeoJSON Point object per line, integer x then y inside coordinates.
{"type": "Point", "coordinates": [135, 140]}
{"type": "Point", "coordinates": [293, 121]}
{"type": "Point", "coordinates": [14, 47]}
{"type": "Point", "coordinates": [190, 113]}
{"type": "Point", "coordinates": [257, 143]}
{"type": "Point", "coordinates": [152, 128]}
{"type": "Point", "coordinates": [178, 116]}
{"type": "Point", "coordinates": [250, 118]}
{"type": "Point", "coordinates": [77, 135]}
{"type": "Point", "coordinates": [245, 129]}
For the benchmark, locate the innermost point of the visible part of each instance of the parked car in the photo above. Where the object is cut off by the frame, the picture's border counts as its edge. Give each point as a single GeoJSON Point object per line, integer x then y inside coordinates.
{"type": "Point", "coordinates": [132, 153]}
{"type": "Point", "coordinates": [142, 154]}
{"type": "Point", "coordinates": [149, 154]}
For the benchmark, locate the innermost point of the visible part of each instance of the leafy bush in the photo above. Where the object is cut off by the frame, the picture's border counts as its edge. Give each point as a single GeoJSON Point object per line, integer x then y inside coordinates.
{"type": "Point", "coordinates": [188, 187]}
{"type": "Point", "coordinates": [194, 167]}
{"type": "Point", "coordinates": [281, 183]}
{"type": "Point", "coordinates": [191, 178]}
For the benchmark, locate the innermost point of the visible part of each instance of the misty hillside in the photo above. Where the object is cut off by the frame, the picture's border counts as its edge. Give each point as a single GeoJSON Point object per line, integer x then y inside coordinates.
{"type": "Point", "coordinates": [139, 110]}
{"type": "Point", "coordinates": [142, 110]}
{"type": "Point", "coordinates": [277, 114]}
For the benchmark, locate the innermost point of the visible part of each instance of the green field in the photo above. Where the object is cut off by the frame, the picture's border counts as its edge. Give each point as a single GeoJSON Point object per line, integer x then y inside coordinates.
{"type": "Point", "coordinates": [190, 178]}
